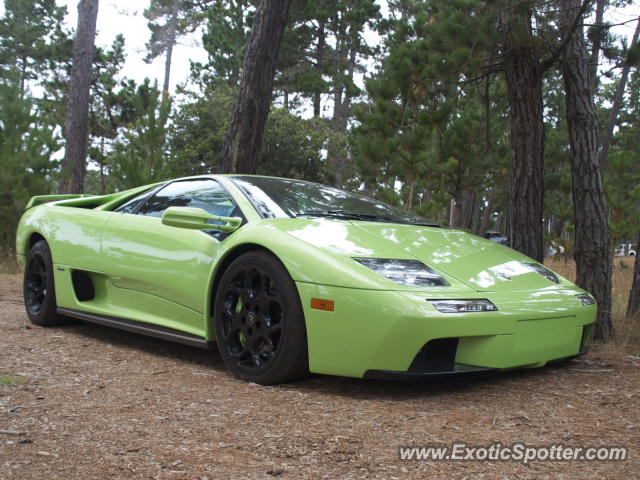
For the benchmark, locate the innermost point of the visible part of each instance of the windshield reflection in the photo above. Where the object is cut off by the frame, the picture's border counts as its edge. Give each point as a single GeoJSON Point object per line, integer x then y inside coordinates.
{"type": "Point", "coordinates": [282, 198]}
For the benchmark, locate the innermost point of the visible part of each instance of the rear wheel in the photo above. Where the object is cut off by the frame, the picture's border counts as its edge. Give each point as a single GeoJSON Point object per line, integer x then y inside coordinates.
{"type": "Point", "coordinates": [260, 327]}
{"type": "Point", "coordinates": [38, 287]}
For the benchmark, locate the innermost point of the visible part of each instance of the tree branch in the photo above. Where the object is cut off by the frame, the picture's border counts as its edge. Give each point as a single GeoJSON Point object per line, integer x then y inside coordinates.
{"type": "Point", "coordinates": [549, 62]}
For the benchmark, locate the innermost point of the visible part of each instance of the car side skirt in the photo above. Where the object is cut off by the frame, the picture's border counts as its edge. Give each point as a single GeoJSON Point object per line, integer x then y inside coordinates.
{"type": "Point", "coordinates": [143, 328]}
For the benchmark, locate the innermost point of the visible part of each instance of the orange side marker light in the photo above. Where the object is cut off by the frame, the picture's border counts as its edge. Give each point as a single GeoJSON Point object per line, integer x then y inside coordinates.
{"type": "Point", "coordinates": [322, 304]}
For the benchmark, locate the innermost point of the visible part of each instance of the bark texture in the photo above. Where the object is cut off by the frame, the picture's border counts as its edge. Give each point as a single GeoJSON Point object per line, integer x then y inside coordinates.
{"type": "Point", "coordinates": [593, 242]}
{"type": "Point", "coordinates": [634, 294]}
{"type": "Point", "coordinates": [524, 88]}
{"type": "Point", "coordinates": [597, 41]}
{"type": "Point", "coordinates": [243, 140]}
{"type": "Point", "coordinates": [74, 164]}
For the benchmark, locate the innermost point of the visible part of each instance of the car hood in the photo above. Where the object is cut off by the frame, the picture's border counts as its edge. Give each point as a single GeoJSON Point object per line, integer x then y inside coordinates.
{"type": "Point", "coordinates": [480, 264]}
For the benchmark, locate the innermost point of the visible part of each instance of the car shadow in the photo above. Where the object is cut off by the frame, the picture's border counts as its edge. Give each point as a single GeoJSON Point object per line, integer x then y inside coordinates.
{"type": "Point", "coordinates": [149, 345]}
{"type": "Point", "coordinates": [354, 388]}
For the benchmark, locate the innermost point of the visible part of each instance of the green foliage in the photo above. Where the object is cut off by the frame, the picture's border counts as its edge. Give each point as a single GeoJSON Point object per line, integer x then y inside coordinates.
{"type": "Point", "coordinates": [622, 179]}
{"type": "Point", "coordinates": [138, 157]}
{"type": "Point", "coordinates": [292, 147]}
{"type": "Point", "coordinates": [225, 40]}
{"type": "Point", "coordinates": [30, 35]}
{"type": "Point", "coordinates": [26, 164]}
{"type": "Point", "coordinates": [429, 126]}
{"type": "Point", "coordinates": [198, 129]}
{"type": "Point", "coordinates": [12, 380]}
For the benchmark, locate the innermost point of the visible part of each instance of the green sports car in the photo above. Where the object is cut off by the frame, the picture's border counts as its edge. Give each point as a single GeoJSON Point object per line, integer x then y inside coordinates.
{"type": "Point", "coordinates": [289, 277]}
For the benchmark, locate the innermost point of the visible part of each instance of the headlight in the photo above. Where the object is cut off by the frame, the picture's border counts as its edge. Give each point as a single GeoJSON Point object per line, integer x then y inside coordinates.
{"type": "Point", "coordinates": [586, 299]}
{"type": "Point", "coordinates": [464, 306]}
{"type": "Point", "coordinates": [404, 272]}
{"type": "Point", "coordinates": [544, 271]}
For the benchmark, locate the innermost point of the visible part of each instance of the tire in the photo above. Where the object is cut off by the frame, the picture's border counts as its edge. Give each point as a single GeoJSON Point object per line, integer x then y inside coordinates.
{"type": "Point", "coordinates": [39, 289]}
{"type": "Point", "coordinates": [259, 321]}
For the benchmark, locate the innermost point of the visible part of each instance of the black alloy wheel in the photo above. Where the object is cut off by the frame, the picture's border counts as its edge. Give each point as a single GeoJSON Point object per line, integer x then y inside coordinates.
{"type": "Point", "coordinates": [260, 326]}
{"type": "Point", "coordinates": [39, 288]}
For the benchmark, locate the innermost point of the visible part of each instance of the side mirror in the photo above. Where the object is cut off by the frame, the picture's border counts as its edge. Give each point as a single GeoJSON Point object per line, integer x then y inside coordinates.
{"type": "Point", "coordinates": [198, 219]}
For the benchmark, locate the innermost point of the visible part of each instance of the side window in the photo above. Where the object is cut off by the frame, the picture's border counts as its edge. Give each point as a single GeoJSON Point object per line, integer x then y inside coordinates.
{"type": "Point", "coordinates": [206, 194]}
{"type": "Point", "coordinates": [132, 205]}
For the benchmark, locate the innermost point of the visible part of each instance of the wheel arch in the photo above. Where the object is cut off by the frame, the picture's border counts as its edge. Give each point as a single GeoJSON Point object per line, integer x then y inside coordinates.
{"type": "Point", "coordinates": [223, 264]}
{"type": "Point", "coordinates": [34, 238]}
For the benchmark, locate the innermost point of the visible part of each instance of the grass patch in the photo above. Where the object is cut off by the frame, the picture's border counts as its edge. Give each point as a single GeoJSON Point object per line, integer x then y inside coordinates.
{"type": "Point", "coordinates": [12, 380]}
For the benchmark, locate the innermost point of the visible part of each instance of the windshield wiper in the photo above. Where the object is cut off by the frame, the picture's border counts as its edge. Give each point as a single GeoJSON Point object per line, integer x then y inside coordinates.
{"type": "Point", "coordinates": [347, 215]}
{"type": "Point", "coordinates": [343, 214]}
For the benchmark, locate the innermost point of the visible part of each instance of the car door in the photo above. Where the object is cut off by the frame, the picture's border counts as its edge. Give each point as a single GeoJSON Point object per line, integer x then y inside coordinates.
{"type": "Point", "coordinates": [161, 263]}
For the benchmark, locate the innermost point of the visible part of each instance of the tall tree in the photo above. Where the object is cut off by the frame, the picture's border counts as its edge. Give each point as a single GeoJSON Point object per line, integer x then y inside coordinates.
{"type": "Point", "coordinates": [348, 25]}
{"type": "Point", "coordinates": [26, 148]}
{"type": "Point", "coordinates": [168, 21]}
{"type": "Point", "coordinates": [244, 138]}
{"type": "Point", "coordinates": [593, 242]}
{"type": "Point", "coordinates": [617, 101]}
{"type": "Point", "coordinates": [30, 37]}
{"type": "Point", "coordinates": [523, 72]}
{"type": "Point", "coordinates": [138, 155]}
{"type": "Point", "coordinates": [74, 164]}
{"type": "Point", "coordinates": [226, 36]}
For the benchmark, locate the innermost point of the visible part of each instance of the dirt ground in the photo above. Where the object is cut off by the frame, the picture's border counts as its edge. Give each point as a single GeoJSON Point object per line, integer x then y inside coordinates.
{"type": "Point", "coordinates": [101, 403]}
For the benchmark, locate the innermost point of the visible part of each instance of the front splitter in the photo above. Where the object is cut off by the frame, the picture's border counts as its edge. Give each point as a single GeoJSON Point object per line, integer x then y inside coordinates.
{"type": "Point", "coordinates": [457, 370]}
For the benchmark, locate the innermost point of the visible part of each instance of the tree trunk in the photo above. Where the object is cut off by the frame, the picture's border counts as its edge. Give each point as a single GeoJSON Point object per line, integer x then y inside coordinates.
{"type": "Point", "coordinates": [74, 164]}
{"type": "Point", "coordinates": [320, 49]}
{"type": "Point", "coordinates": [463, 208]}
{"type": "Point", "coordinates": [244, 138]}
{"type": "Point", "coordinates": [593, 249]}
{"type": "Point", "coordinates": [597, 42]}
{"type": "Point", "coordinates": [341, 114]}
{"type": "Point", "coordinates": [171, 41]}
{"type": "Point", "coordinates": [617, 104]}
{"type": "Point", "coordinates": [488, 210]}
{"type": "Point", "coordinates": [634, 294]}
{"type": "Point", "coordinates": [524, 88]}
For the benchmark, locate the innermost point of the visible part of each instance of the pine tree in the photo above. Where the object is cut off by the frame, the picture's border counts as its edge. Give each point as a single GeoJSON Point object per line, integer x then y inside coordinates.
{"type": "Point", "coordinates": [139, 157]}
{"type": "Point", "coordinates": [76, 126]}
{"type": "Point", "coordinates": [30, 37]}
{"type": "Point", "coordinates": [243, 140]}
{"type": "Point", "coordinates": [26, 147]}
{"type": "Point", "coordinates": [228, 27]}
{"type": "Point", "coordinates": [593, 242]}
{"type": "Point", "coordinates": [168, 21]}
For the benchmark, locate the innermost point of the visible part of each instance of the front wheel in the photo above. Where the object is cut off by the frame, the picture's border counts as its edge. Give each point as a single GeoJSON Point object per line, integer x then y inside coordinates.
{"type": "Point", "coordinates": [39, 288]}
{"type": "Point", "coordinates": [259, 321]}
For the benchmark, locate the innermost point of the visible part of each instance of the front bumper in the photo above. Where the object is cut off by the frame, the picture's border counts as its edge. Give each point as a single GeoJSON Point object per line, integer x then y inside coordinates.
{"type": "Point", "coordinates": [376, 334]}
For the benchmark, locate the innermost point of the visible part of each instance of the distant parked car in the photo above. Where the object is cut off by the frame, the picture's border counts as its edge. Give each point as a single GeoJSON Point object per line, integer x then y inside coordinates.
{"type": "Point", "coordinates": [497, 237]}
{"type": "Point", "coordinates": [626, 249]}
{"type": "Point", "coordinates": [555, 249]}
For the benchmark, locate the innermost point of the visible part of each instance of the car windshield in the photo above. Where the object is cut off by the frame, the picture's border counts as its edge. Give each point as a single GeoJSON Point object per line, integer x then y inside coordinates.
{"type": "Point", "coordinates": [282, 198]}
